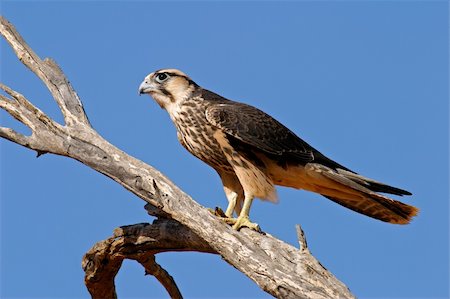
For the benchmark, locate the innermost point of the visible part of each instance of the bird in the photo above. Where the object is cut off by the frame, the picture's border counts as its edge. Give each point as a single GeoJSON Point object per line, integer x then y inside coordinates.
{"type": "Point", "coordinates": [252, 152]}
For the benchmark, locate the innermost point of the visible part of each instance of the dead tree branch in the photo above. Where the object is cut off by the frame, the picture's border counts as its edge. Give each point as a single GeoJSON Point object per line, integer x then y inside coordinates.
{"type": "Point", "coordinates": [138, 242]}
{"type": "Point", "coordinates": [278, 268]}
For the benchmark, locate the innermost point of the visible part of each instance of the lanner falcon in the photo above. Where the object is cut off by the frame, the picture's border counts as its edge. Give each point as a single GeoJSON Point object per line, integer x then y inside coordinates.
{"type": "Point", "coordinates": [252, 152]}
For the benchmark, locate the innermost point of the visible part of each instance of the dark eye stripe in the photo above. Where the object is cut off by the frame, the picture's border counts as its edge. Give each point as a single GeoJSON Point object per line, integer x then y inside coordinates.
{"type": "Point", "coordinates": [168, 94]}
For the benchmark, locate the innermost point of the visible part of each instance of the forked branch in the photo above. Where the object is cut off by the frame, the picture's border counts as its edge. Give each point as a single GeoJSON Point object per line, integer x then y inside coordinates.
{"type": "Point", "coordinates": [278, 268]}
{"type": "Point", "coordinates": [50, 73]}
{"type": "Point", "coordinates": [138, 242]}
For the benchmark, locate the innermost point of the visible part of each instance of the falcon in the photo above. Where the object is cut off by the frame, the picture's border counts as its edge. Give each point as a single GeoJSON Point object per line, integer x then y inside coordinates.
{"type": "Point", "coordinates": [252, 152]}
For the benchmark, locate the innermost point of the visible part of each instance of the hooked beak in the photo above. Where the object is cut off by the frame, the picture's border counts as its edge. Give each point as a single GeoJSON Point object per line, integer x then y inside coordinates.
{"type": "Point", "coordinates": [146, 87]}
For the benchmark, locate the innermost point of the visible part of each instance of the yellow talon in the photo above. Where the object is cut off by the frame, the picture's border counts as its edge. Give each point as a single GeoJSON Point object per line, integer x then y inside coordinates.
{"type": "Point", "coordinates": [244, 221]}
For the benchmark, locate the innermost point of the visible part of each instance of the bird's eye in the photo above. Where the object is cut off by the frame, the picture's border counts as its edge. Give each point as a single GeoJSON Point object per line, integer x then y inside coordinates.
{"type": "Point", "coordinates": [161, 77]}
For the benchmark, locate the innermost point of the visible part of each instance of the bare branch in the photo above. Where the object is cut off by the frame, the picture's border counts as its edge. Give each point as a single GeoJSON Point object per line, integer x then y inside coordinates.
{"type": "Point", "coordinates": [164, 278]}
{"type": "Point", "coordinates": [12, 108]}
{"type": "Point", "coordinates": [157, 212]}
{"type": "Point", "coordinates": [42, 127]}
{"type": "Point", "coordinates": [301, 238]}
{"type": "Point", "coordinates": [138, 242]}
{"type": "Point", "coordinates": [17, 96]}
{"type": "Point", "coordinates": [14, 136]}
{"type": "Point", "coordinates": [49, 72]}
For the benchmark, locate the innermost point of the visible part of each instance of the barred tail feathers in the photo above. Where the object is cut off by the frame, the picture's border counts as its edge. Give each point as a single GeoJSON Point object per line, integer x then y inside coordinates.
{"type": "Point", "coordinates": [358, 193]}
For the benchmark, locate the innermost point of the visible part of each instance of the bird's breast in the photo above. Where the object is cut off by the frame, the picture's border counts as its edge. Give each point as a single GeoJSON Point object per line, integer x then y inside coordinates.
{"type": "Point", "coordinates": [197, 135]}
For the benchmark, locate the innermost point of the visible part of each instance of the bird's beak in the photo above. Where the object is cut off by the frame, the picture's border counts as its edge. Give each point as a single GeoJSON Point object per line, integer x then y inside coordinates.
{"type": "Point", "coordinates": [146, 87]}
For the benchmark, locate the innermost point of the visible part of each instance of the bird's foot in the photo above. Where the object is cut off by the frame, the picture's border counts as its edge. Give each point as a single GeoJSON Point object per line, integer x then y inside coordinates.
{"type": "Point", "coordinates": [241, 222]}
{"type": "Point", "coordinates": [222, 216]}
{"type": "Point", "coordinates": [228, 220]}
{"type": "Point", "coordinates": [237, 223]}
{"type": "Point", "coordinates": [244, 221]}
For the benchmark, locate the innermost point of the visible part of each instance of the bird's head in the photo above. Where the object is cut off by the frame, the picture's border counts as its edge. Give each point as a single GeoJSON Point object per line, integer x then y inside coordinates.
{"type": "Point", "coordinates": [168, 87]}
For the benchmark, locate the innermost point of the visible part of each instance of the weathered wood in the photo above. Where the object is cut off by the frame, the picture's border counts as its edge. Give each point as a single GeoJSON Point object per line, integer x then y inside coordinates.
{"type": "Point", "coordinates": [138, 242]}
{"type": "Point", "coordinates": [278, 268]}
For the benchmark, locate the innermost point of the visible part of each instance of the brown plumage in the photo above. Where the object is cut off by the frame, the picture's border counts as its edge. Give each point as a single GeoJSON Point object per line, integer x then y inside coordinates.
{"type": "Point", "coordinates": [252, 152]}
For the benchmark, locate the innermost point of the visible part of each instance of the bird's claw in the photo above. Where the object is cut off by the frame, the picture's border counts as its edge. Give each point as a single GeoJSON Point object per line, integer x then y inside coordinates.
{"type": "Point", "coordinates": [244, 221]}
{"type": "Point", "coordinates": [241, 222]}
{"type": "Point", "coordinates": [237, 223]}
{"type": "Point", "coordinates": [228, 220]}
{"type": "Point", "coordinates": [222, 216]}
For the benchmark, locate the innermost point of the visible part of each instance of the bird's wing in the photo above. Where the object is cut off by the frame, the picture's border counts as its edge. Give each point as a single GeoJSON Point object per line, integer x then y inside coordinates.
{"type": "Point", "coordinates": [258, 129]}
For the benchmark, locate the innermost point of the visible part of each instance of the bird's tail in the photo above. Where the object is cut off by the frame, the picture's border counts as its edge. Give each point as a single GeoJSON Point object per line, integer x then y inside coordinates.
{"type": "Point", "coordinates": [358, 193]}
{"type": "Point", "coordinates": [372, 184]}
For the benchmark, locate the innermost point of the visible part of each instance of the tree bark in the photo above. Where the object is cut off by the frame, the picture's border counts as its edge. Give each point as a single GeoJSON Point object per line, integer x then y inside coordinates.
{"type": "Point", "coordinates": [278, 268]}
{"type": "Point", "coordinates": [138, 242]}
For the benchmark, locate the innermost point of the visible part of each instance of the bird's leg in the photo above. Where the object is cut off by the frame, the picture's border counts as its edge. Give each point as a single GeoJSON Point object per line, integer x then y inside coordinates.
{"type": "Point", "coordinates": [243, 219]}
{"type": "Point", "coordinates": [227, 217]}
{"type": "Point", "coordinates": [232, 199]}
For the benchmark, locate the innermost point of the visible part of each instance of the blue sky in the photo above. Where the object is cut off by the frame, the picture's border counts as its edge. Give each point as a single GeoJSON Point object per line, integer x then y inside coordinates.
{"type": "Point", "coordinates": [364, 82]}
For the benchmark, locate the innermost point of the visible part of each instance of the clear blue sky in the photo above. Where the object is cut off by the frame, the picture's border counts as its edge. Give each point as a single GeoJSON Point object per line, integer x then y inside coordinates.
{"type": "Point", "coordinates": [364, 82]}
